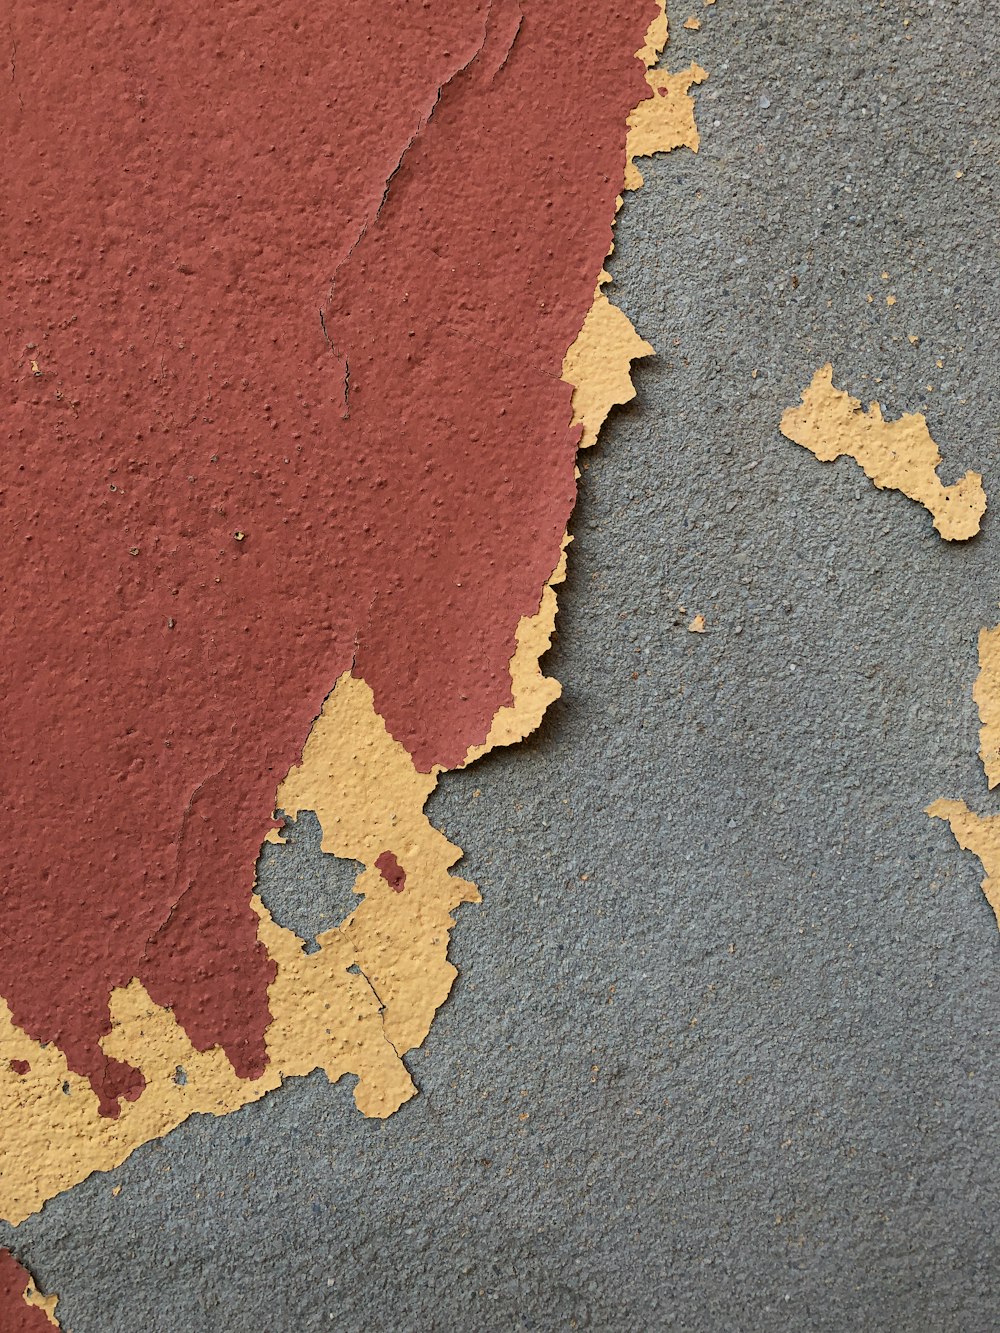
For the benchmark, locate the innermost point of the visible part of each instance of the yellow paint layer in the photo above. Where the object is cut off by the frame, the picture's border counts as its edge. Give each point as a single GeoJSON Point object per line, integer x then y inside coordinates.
{"type": "Point", "coordinates": [325, 1017]}
{"type": "Point", "coordinates": [979, 834]}
{"type": "Point", "coordinates": [599, 364]}
{"type": "Point", "coordinates": [656, 38]}
{"type": "Point", "coordinates": [896, 455]}
{"type": "Point", "coordinates": [531, 691]}
{"type": "Point", "coordinates": [369, 994]}
{"type": "Point", "coordinates": [986, 693]}
{"type": "Point", "coordinates": [47, 1304]}
{"type": "Point", "coordinates": [369, 799]}
{"type": "Point", "coordinates": [663, 121]}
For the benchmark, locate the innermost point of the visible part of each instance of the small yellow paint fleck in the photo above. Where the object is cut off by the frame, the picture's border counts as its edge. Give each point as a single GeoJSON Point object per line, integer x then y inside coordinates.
{"type": "Point", "coordinates": [692, 24]}
{"type": "Point", "coordinates": [890, 300]}
{"type": "Point", "coordinates": [116, 1190]}
{"type": "Point", "coordinates": [959, 175]}
{"type": "Point", "coordinates": [885, 277]}
{"type": "Point", "coordinates": [869, 298]}
{"type": "Point", "coordinates": [912, 337]}
{"type": "Point", "coordinates": [34, 368]}
{"type": "Point", "coordinates": [697, 625]}
{"type": "Point", "coordinates": [239, 536]}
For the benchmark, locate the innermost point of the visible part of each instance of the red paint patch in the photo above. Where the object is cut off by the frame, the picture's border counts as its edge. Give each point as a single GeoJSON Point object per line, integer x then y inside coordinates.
{"type": "Point", "coordinates": [391, 871]}
{"type": "Point", "coordinates": [15, 1315]}
{"type": "Point", "coordinates": [192, 190]}
{"type": "Point", "coordinates": [21, 1067]}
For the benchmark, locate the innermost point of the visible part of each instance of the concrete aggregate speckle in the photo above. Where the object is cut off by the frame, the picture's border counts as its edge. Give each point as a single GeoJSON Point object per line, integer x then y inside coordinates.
{"type": "Point", "coordinates": [723, 1051]}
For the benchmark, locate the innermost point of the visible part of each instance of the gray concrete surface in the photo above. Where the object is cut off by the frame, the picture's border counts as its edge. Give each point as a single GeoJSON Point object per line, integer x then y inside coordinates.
{"type": "Point", "coordinates": [723, 1053]}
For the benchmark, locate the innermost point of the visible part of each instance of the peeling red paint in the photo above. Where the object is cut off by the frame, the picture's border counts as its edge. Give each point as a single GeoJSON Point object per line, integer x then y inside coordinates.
{"type": "Point", "coordinates": [305, 277]}
{"type": "Point", "coordinates": [16, 1316]}
{"type": "Point", "coordinates": [391, 871]}
{"type": "Point", "coordinates": [21, 1067]}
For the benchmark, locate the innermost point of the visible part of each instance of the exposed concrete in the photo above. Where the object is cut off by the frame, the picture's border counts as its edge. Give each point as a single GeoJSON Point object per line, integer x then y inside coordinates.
{"type": "Point", "coordinates": [755, 1049]}
{"type": "Point", "coordinates": [301, 888]}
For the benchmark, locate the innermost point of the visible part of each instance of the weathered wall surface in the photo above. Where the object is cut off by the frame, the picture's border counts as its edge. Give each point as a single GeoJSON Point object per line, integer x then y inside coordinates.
{"type": "Point", "coordinates": [721, 1051]}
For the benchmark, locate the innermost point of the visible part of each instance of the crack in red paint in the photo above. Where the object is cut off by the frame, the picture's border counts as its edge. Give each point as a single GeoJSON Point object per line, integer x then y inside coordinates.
{"type": "Point", "coordinates": [188, 182]}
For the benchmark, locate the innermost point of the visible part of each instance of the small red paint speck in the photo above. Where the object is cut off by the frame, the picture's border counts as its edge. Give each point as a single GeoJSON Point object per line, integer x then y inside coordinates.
{"type": "Point", "coordinates": [20, 1067]}
{"type": "Point", "coordinates": [391, 871]}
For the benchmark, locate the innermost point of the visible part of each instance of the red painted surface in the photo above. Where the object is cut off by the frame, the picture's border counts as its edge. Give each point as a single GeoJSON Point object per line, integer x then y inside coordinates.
{"type": "Point", "coordinates": [15, 1316]}
{"type": "Point", "coordinates": [21, 1067]}
{"type": "Point", "coordinates": [191, 186]}
{"type": "Point", "coordinates": [391, 871]}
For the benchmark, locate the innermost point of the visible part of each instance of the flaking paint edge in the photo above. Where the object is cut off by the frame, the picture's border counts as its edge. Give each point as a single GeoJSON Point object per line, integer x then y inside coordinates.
{"type": "Point", "coordinates": [386, 965]}
{"type": "Point", "coordinates": [981, 833]}
{"type": "Point", "coordinates": [986, 693]}
{"type": "Point", "coordinates": [21, 1299]}
{"type": "Point", "coordinates": [895, 455]}
{"type": "Point", "coordinates": [901, 455]}
{"type": "Point", "coordinates": [47, 1304]}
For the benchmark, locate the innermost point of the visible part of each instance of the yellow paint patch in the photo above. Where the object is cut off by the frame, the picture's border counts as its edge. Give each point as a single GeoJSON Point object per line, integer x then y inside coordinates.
{"type": "Point", "coordinates": [697, 625]}
{"type": "Point", "coordinates": [531, 690]}
{"type": "Point", "coordinates": [692, 24]}
{"type": "Point", "coordinates": [986, 693]}
{"type": "Point", "coordinates": [369, 798]}
{"type": "Point", "coordinates": [369, 994]}
{"type": "Point", "coordinates": [325, 1017]}
{"type": "Point", "coordinates": [656, 38]}
{"type": "Point", "coordinates": [663, 121]}
{"type": "Point", "coordinates": [47, 1304]}
{"type": "Point", "coordinates": [896, 455]}
{"type": "Point", "coordinates": [599, 364]}
{"type": "Point", "coordinates": [979, 834]}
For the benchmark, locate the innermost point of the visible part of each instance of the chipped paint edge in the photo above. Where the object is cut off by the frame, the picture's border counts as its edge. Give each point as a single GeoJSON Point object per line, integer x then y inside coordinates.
{"type": "Point", "coordinates": [363, 961]}
{"type": "Point", "coordinates": [896, 455]}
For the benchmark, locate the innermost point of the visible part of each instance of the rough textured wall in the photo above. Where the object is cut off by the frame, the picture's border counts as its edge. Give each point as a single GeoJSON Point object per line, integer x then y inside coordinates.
{"type": "Point", "coordinates": [737, 1066]}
